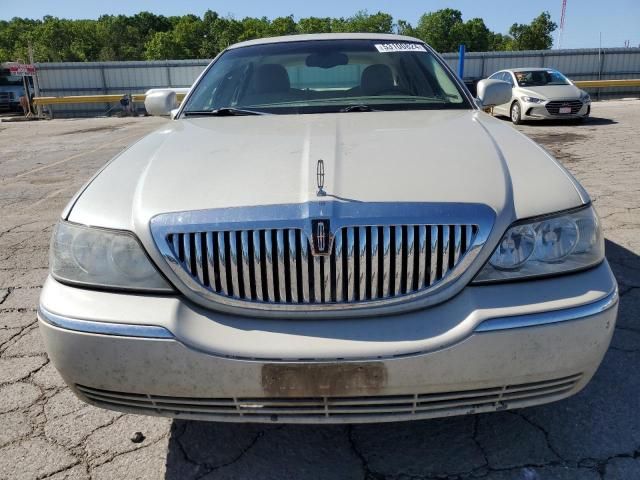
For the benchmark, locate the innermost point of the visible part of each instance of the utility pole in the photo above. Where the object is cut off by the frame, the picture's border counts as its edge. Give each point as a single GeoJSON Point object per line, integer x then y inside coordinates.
{"type": "Point", "coordinates": [599, 63]}
{"type": "Point", "coordinates": [36, 84]}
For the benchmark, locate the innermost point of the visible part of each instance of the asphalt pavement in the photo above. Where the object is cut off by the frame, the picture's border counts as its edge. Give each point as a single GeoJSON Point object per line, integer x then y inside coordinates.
{"type": "Point", "coordinates": [45, 432]}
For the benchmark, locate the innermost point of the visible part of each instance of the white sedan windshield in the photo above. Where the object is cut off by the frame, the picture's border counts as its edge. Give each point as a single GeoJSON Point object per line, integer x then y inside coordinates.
{"type": "Point", "coordinates": [540, 78]}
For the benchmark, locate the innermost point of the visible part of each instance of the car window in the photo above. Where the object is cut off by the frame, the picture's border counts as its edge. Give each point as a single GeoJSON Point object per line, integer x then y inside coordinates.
{"type": "Point", "coordinates": [540, 78]}
{"type": "Point", "coordinates": [325, 76]}
{"type": "Point", "coordinates": [506, 76]}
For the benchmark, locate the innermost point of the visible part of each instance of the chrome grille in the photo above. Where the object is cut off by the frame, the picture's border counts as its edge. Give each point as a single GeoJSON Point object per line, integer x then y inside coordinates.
{"type": "Point", "coordinates": [338, 409]}
{"type": "Point", "coordinates": [554, 107]}
{"type": "Point", "coordinates": [366, 263]}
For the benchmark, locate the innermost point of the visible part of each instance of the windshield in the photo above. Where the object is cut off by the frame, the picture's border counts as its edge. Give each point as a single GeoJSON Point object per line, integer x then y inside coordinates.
{"type": "Point", "coordinates": [6, 79]}
{"type": "Point", "coordinates": [326, 76]}
{"type": "Point", "coordinates": [540, 78]}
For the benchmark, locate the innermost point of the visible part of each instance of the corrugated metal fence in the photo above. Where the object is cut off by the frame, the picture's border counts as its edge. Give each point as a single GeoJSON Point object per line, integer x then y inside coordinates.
{"type": "Point", "coordinates": [61, 79]}
{"type": "Point", "coordinates": [98, 78]}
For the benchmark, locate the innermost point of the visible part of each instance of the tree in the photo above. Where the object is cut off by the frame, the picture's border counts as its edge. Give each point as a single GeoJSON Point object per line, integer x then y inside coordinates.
{"type": "Point", "coordinates": [363, 22]}
{"type": "Point", "coordinates": [443, 29]}
{"type": "Point", "coordinates": [499, 42]}
{"type": "Point", "coordinates": [475, 35]}
{"type": "Point", "coordinates": [535, 36]}
{"type": "Point", "coordinates": [404, 28]}
{"type": "Point", "coordinates": [55, 37]}
{"type": "Point", "coordinates": [14, 39]}
{"type": "Point", "coordinates": [283, 26]}
{"type": "Point", "coordinates": [183, 41]}
{"type": "Point", "coordinates": [314, 25]}
{"type": "Point", "coordinates": [254, 28]}
{"type": "Point", "coordinates": [162, 46]}
{"type": "Point", "coordinates": [119, 38]}
{"type": "Point", "coordinates": [146, 35]}
{"type": "Point", "coordinates": [219, 33]}
{"type": "Point", "coordinates": [148, 23]}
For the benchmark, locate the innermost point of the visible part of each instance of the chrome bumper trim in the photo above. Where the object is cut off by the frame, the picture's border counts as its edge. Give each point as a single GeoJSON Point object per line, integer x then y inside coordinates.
{"type": "Point", "coordinates": [490, 325]}
{"type": "Point", "coordinates": [552, 316]}
{"type": "Point", "coordinates": [104, 328]}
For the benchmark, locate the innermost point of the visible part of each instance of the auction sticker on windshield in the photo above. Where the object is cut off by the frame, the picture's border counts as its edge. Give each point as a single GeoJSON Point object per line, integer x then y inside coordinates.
{"type": "Point", "coordinates": [400, 47]}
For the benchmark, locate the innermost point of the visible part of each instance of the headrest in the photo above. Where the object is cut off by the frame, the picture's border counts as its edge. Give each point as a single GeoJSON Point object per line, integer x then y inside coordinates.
{"type": "Point", "coordinates": [376, 79]}
{"type": "Point", "coordinates": [271, 78]}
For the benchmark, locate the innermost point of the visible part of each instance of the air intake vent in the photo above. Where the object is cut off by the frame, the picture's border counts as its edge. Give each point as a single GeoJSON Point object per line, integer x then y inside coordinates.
{"type": "Point", "coordinates": [338, 409]}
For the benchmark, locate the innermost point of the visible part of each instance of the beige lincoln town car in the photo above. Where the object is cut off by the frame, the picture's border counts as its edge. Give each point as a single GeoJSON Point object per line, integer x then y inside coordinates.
{"type": "Point", "coordinates": [328, 230]}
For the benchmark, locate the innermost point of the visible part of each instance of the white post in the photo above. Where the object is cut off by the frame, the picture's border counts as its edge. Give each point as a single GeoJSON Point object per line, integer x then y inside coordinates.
{"type": "Point", "coordinates": [36, 83]}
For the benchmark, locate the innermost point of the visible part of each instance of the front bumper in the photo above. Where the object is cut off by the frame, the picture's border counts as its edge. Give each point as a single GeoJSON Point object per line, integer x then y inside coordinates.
{"type": "Point", "coordinates": [537, 111]}
{"type": "Point", "coordinates": [498, 350]}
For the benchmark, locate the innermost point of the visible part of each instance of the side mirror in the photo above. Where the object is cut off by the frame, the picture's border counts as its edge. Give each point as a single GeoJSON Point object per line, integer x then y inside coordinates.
{"type": "Point", "coordinates": [493, 92]}
{"type": "Point", "coordinates": [160, 103]}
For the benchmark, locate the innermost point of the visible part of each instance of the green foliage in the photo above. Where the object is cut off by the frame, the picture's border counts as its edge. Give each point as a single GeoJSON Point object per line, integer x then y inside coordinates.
{"type": "Point", "coordinates": [155, 37]}
{"type": "Point", "coordinates": [186, 37]}
{"type": "Point", "coordinates": [404, 28]}
{"type": "Point", "coordinates": [314, 25]}
{"type": "Point", "coordinates": [475, 35]}
{"type": "Point", "coordinates": [283, 26]}
{"type": "Point", "coordinates": [499, 42]}
{"type": "Point", "coordinates": [364, 23]}
{"type": "Point", "coordinates": [443, 30]}
{"type": "Point", "coordinates": [535, 36]}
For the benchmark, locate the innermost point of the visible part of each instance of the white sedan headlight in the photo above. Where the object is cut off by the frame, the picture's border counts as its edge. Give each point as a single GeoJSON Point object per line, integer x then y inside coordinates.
{"type": "Point", "coordinates": [532, 99]}
{"type": "Point", "coordinates": [547, 246]}
{"type": "Point", "coordinates": [100, 257]}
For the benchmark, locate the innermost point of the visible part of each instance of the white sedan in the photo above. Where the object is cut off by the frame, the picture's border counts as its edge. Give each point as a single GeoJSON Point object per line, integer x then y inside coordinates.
{"type": "Point", "coordinates": [541, 93]}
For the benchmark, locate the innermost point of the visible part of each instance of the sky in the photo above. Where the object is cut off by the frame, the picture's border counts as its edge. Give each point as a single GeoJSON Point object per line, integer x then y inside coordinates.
{"type": "Point", "coordinates": [616, 20]}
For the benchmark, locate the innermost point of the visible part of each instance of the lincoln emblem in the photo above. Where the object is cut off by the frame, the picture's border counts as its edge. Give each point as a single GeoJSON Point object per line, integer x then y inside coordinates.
{"type": "Point", "coordinates": [320, 178]}
{"type": "Point", "coordinates": [321, 236]}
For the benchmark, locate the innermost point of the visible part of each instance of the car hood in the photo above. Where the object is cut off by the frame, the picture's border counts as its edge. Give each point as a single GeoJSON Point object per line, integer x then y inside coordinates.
{"type": "Point", "coordinates": [440, 156]}
{"type": "Point", "coordinates": [552, 92]}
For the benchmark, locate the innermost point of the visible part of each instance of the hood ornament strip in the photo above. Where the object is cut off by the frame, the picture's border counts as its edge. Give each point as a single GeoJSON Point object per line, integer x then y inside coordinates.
{"type": "Point", "coordinates": [320, 178]}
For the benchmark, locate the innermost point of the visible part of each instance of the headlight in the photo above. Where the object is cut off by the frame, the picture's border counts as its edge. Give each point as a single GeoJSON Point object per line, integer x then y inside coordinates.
{"type": "Point", "coordinates": [550, 245]}
{"type": "Point", "coordinates": [102, 258]}
{"type": "Point", "coordinates": [584, 96]}
{"type": "Point", "coordinates": [532, 100]}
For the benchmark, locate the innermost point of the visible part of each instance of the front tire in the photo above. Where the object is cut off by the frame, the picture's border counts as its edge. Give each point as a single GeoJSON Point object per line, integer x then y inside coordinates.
{"type": "Point", "coordinates": [516, 113]}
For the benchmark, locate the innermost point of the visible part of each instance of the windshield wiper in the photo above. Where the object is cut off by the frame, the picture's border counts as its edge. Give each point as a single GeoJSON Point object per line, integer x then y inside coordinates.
{"type": "Point", "coordinates": [222, 112]}
{"type": "Point", "coordinates": [359, 108]}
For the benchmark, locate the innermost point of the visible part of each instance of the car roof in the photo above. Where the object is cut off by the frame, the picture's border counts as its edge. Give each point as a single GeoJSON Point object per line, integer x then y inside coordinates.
{"type": "Point", "coordinates": [327, 36]}
{"type": "Point", "coordinates": [528, 69]}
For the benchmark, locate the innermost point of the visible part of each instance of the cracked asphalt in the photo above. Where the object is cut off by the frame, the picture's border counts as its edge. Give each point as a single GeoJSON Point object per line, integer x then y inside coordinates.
{"type": "Point", "coordinates": [45, 432]}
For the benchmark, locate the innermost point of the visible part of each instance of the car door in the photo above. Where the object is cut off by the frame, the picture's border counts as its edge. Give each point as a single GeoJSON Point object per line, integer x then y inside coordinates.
{"type": "Point", "coordinates": [501, 109]}
{"type": "Point", "coordinates": [495, 76]}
